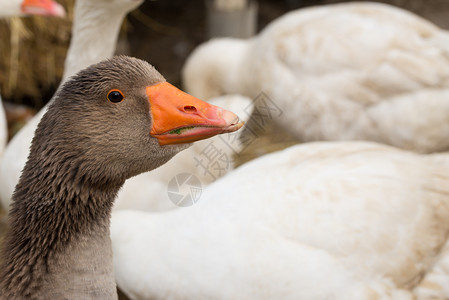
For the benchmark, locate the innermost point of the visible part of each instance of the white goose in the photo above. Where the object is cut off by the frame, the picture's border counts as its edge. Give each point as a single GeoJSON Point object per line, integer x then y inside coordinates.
{"type": "Point", "coordinates": [14, 8]}
{"type": "Point", "coordinates": [87, 46]}
{"type": "Point", "coordinates": [363, 71]}
{"type": "Point", "coordinates": [341, 220]}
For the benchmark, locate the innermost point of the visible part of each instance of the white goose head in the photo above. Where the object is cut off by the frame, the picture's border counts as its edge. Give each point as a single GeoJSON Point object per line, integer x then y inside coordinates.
{"type": "Point", "coordinates": [11, 8]}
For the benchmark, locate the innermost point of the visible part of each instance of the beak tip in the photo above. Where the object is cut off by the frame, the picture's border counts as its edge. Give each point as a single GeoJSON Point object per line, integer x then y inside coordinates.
{"type": "Point", "coordinates": [230, 118]}
{"type": "Point", "coordinates": [240, 125]}
{"type": "Point", "coordinates": [233, 127]}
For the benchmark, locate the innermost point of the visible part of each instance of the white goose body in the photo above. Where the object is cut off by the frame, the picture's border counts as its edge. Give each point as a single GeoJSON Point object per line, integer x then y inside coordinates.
{"type": "Point", "coordinates": [348, 220]}
{"type": "Point", "coordinates": [95, 29]}
{"type": "Point", "coordinates": [351, 71]}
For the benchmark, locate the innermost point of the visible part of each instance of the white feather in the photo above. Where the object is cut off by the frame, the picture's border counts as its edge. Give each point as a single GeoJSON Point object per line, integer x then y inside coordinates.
{"type": "Point", "coordinates": [348, 220]}
{"type": "Point", "coordinates": [351, 71]}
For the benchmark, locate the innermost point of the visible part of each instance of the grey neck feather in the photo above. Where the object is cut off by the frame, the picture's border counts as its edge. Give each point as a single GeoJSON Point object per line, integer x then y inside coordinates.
{"type": "Point", "coordinates": [84, 270]}
{"type": "Point", "coordinates": [58, 244]}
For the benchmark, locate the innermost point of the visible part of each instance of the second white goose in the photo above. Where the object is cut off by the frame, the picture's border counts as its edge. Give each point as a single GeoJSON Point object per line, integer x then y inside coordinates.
{"type": "Point", "coordinates": [350, 71]}
{"type": "Point", "coordinates": [341, 220]}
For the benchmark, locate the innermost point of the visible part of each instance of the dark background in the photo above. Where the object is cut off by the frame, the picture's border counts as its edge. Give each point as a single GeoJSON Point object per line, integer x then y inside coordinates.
{"type": "Point", "coordinates": [163, 32]}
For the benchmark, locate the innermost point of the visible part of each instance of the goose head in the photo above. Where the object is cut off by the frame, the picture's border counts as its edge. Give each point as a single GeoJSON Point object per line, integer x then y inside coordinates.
{"type": "Point", "coordinates": [123, 116]}
{"type": "Point", "coordinates": [111, 121]}
{"type": "Point", "coordinates": [32, 7]}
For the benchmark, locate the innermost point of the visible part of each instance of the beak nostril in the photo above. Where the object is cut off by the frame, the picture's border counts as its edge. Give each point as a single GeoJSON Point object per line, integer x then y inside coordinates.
{"type": "Point", "coordinates": [190, 109]}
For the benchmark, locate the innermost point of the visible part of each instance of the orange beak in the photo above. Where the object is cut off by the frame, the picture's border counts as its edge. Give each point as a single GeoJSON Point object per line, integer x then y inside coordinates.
{"type": "Point", "coordinates": [181, 118]}
{"type": "Point", "coordinates": [43, 8]}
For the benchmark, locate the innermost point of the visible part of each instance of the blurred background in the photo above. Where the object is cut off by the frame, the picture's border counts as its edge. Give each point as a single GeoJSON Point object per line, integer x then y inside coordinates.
{"type": "Point", "coordinates": [163, 32]}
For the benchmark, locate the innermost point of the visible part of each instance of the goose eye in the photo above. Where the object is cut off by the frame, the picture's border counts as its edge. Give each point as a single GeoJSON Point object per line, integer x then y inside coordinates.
{"type": "Point", "coordinates": [115, 96]}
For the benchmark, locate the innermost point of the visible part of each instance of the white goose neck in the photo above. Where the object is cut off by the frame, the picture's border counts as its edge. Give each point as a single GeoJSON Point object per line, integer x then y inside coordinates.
{"type": "Point", "coordinates": [94, 34]}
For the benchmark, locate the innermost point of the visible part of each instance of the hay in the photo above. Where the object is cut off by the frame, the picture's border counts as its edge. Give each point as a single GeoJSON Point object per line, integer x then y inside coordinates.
{"type": "Point", "coordinates": [32, 53]}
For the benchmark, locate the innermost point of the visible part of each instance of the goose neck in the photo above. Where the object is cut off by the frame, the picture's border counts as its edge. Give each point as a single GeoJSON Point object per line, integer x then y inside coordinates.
{"type": "Point", "coordinates": [58, 241]}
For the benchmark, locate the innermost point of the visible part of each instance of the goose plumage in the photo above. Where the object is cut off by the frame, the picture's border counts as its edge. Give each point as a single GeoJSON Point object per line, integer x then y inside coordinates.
{"type": "Point", "coordinates": [95, 30]}
{"type": "Point", "coordinates": [111, 121]}
{"type": "Point", "coordinates": [324, 220]}
{"type": "Point", "coordinates": [349, 71]}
